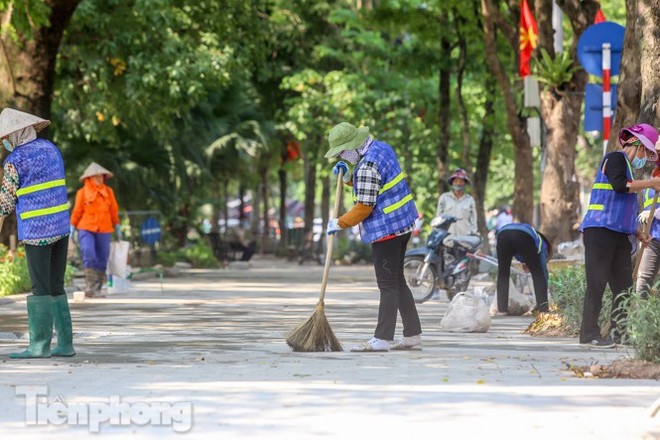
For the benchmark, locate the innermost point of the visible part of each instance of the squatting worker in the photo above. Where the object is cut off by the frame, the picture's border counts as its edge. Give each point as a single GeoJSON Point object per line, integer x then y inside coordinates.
{"type": "Point", "coordinates": [531, 248]}
{"type": "Point", "coordinates": [96, 215]}
{"type": "Point", "coordinates": [33, 184]}
{"type": "Point", "coordinates": [610, 221]}
{"type": "Point", "coordinates": [385, 210]}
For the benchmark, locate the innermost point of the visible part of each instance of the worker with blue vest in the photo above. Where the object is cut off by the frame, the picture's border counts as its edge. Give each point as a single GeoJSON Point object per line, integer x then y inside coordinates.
{"type": "Point", "coordinates": [650, 262]}
{"type": "Point", "coordinates": [385, 210]}
{"type": "Point", "coordinates": [608, 227]}
{"type": "Point", "coordinates": [531, 248]}
{"type": "Point", "coordinates": [33, 184]}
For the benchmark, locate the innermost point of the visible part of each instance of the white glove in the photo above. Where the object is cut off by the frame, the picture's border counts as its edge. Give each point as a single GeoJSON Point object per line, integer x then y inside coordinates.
{"type": "Point", "coordinates": [333, 226]}
{"type": "Point", "coordinates": [643, 217]}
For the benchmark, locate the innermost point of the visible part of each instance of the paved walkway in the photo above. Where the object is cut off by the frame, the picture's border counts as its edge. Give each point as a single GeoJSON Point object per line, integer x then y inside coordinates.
{"type": "Point", "coordinates": [206, 356]}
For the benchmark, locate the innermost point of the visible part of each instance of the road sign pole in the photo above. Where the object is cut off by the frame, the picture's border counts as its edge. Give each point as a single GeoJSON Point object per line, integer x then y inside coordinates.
{"type": "Point", "coordinates": [607, 95]}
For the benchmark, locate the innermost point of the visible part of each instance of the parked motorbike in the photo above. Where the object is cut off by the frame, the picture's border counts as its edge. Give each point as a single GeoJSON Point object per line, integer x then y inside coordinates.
{"type": "Point", "coordinates": [444, 263]}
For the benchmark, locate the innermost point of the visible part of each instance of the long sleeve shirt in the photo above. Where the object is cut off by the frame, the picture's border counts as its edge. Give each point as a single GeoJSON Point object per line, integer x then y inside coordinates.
{"type": "Point", "coordinates": [463, 208]}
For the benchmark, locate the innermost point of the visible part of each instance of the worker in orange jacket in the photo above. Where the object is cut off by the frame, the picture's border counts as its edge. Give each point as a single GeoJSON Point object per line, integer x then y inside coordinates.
{"type": "Point", "coordinates": [96, 216]}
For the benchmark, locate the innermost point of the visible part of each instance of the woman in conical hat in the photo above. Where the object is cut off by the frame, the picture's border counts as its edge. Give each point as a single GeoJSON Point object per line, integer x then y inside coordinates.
{"type": "Point", "coordinates": [95, 215]}
{"type": "Point", "coordinates": [34, 186]}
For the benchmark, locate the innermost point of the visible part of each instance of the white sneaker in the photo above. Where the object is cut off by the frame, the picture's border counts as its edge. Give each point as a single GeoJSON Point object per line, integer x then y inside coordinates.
{"type": "Point", "coordinates": [373, 344]}
{"type": "Point", "coordinates": [408, 343]}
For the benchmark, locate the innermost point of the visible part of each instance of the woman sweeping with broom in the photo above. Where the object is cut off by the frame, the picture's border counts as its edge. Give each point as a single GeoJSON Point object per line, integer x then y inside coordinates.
{"type": "Point", "coordinates": [386, 212]}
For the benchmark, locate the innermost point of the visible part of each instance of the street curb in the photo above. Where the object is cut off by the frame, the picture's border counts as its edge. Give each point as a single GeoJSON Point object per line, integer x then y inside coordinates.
{"type": "Point", "coordinates": [13, 298]}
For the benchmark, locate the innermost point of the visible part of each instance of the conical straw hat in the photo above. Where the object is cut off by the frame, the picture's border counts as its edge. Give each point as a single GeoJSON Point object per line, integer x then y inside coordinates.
{"type": "Point", "coordinates": [95, 169]}
{"type": "Point", "coordinates": [13, 120]}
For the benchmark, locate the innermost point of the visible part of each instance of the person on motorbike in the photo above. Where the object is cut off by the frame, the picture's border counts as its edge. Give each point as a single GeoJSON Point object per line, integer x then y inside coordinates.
{"type": "Point", "coordinates": [385, 209]}
{"type": "Point", "coordinates": [533, 250]}
{"type": "Point", "coordinates": [458, 204]}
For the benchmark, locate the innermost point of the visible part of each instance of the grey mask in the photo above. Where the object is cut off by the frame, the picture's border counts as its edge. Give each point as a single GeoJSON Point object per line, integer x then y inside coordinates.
{"type": "Point", "coordinates": [350, 156]}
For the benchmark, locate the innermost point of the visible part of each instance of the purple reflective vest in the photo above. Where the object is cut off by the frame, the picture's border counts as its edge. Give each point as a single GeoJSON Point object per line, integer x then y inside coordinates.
{"type": "Point", "coordinates": [395, 209]}
{"type": "Point", "coordinates": [42, 209]}
{"type": "Point", "coordinates": [649, 194]}
{"type": "Point", "coordinates": [610, 209]}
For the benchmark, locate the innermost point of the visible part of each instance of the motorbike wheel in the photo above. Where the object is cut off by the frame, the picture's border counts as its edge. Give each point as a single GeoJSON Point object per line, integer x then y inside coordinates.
{"type": "Point", "coordinates": [422, 286]}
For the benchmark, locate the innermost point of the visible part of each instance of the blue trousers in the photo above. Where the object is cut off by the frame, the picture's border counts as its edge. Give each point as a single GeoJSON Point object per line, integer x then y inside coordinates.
{"type": "Point", "coordinates": [95, 249]}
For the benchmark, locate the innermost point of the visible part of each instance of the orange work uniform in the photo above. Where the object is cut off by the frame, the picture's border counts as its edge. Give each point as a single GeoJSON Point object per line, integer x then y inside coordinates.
{"type": "Point", "coordinates": [96, 208]}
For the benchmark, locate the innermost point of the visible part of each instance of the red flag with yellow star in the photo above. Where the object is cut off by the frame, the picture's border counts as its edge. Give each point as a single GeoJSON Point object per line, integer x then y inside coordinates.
{"type": "Point", "coordinates": [528, 38]}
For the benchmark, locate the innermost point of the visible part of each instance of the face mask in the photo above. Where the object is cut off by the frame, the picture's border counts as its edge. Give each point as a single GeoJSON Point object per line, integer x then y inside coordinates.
{"type": "Point", "coordinates": [638, 163]}
{"type": "Point", "coordinates": [458, 188]}
{"type": "Point", "coordinates": [8, 145]}
{"type": "Point", "coordinates": [350, 156]}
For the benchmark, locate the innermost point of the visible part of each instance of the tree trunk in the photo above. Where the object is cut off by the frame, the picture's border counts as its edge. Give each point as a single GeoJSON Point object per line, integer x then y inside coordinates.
{"type": "Point", "coordinates": [32, 61]}
{"type": "Point", "coordinates": [310, 193]}
{"type": "Point", "coordinates": [28, 75]}
{"type": "Point", "coordinates": [241, 201]}
{"type": "Point", "coordinates": [282, 218]}
{"type": "Point", "coordinates": [265, 195]}
{"type": "Point", "coordinates": [327, 200]}
{"type": "Point", "coordinates": [629, 92]}
{"type": "Point", "coordinates": [649, 29]}
{"type": "Point", "coordinates": [561, 109]}
{"type": "Point", "coordinates": [523, 202]}
{"type": "Point", "coordinates": [444, 105]}
{"type": "Point", "coordinates": [216, 206]}
{"type": "Point", "coordinates": [483, 160]}
{"type": "Point", "coordinates": [225, 208]}
{"type": "Point", "coordinates": [462, 110]}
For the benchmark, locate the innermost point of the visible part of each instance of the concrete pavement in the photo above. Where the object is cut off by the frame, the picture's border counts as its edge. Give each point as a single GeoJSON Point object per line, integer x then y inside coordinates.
{"type": "Point", "coordinates": [206, 358]}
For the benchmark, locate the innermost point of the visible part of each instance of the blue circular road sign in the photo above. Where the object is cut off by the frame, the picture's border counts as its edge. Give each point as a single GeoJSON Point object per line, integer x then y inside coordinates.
{"type": "Point", "coordinates": [590, 47]}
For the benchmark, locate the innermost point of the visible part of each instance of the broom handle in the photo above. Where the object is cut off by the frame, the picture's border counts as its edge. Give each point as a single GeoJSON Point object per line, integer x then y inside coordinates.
{"type": "Point", "coordinates": [328, 252]}
{"type": "Point", "coordinates": [647, 227]}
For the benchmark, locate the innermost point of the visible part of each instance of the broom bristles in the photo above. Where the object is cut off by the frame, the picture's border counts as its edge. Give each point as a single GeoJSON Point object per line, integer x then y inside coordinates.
{"type": "Point", "coordinates": [315, 334]}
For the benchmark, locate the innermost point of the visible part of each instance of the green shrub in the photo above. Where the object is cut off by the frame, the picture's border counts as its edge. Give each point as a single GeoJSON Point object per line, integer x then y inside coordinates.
{"type": "Point", "coordinates": [69, 274]}
{"type": "Point", "coordinates": [167, 259]}
{"type": "Point", "coordinates": [14, 273]}
{"type": "Point", "coordinates": [567, 287]}
{"type": "Point", "coordinates": [644, 327]}
{"type": "Point", "coordinates": [199, 255]}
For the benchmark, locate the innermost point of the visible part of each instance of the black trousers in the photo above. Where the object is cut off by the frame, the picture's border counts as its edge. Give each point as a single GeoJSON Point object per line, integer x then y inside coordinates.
{"type": "Point", "coordinates": [512, 242]}
{"type": "Point", "coordinates": [607, 261]}
{"type": "Point", "coordinates": [47, 265]}
{"type": "Point", "coordinates": [395, 295]}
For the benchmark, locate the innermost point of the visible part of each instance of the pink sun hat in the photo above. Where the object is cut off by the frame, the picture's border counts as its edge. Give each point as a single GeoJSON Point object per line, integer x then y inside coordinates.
{"type": "Point", "coordinates": [645, 133]}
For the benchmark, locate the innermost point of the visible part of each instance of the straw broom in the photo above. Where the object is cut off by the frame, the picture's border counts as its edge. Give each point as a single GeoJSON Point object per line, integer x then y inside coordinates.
{"type": "Point", "coordinates": [315, 334]}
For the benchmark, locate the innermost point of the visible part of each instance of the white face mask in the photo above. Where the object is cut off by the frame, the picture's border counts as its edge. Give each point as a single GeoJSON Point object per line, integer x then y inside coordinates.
{"type": "Point", "coordinates": [350, 156]}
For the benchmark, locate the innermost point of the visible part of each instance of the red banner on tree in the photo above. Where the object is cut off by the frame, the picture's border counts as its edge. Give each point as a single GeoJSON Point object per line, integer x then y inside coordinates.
{"type": "Point", "coordinates": [528, 38]}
